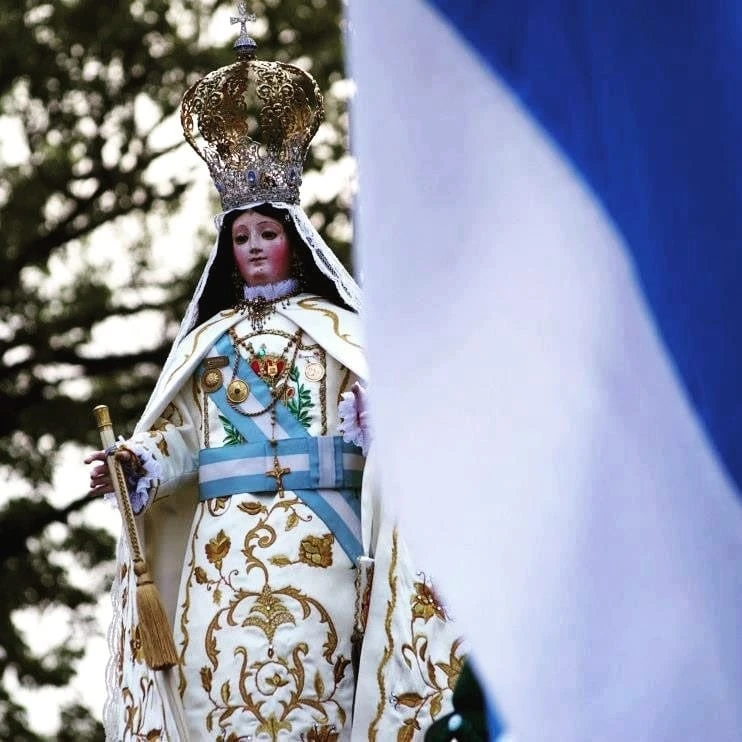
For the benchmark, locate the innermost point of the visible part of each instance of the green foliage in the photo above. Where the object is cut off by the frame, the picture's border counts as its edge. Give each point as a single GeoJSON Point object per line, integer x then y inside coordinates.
{"type": "Point", "coordinates": [232, 436]}
{"type": "Point", "coordinates": [77, 725]}
{"type": "Point", "coordinates": [301, 403]}
{"type": "Point", "coordinates": [76, 156]}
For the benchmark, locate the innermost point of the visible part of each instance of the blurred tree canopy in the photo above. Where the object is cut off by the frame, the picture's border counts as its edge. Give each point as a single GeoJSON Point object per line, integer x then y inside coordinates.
{"type": "Point", "coordinates": [85, 87]}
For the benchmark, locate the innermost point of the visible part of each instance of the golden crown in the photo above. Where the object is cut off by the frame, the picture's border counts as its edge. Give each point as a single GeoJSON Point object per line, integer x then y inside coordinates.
{"type": "Point", "coordinates": [252, 122]}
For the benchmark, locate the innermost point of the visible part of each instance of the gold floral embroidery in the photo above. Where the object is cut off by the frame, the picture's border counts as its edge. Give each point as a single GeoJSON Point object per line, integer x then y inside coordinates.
{"type": "Point", "coordinates": [285, 675]}
{"type": "Point", "coordinates": [268, 613]}
{"type": "Point", "coordinates": [206, 677]}
{"type": "Point", "coordinates": [183, 622]}
{"type": "Point", "coordinates": [420, 695]}
{"type": "Point", "coordinates": [324, 733]}
{"type": "Point", "coordinates": [251, 508]}
{"type": "Point", "coordinates": [269, 672]}
{"type": "Point", "coordinates": [134, 712]}
{"type": "Point", "coordinates": [273, 727]}
{"type": "Point", "coordinates": [316, 552]}
{"type": "Point", "coordinates": [453, 667]}
{"type": "Point", "coordinates": [218, 548]}
{"type": "Point", "coordinates": [218, 505]}
{"type": "Point", "coordinates": [407, 731]}
{"type": "Point", "coordinates": [171, 415]}
{"type": "Point", "coordinates": [200, 574]}
{"type": "Point", "coordinates": [162, 447]}
{"type": "Point", "coordinates": [425, 602]}
{"type": "Point", "coordinates": [135, 645]}
{"type": "Point", "coordinates": [389, 648]}
{"type": "Point", "coordinates": [425, 605]}
{"type": "Point", "coordinates": [265, 677]}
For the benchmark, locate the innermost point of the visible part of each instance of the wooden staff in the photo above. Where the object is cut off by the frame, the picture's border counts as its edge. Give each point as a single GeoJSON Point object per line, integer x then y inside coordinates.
{"type": "Point", "coordinates": [156, 636]}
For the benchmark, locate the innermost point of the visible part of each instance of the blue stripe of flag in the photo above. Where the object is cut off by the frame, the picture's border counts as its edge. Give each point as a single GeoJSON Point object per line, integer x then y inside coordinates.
{"type": "Point", "coordinates": [644, 99]}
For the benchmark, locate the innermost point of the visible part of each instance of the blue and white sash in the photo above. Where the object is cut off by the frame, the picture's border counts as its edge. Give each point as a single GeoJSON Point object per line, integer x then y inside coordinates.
{"type": "Point", "coordinates": [324, 462]}
{"type": "Point", "coordinates": [325, 472]}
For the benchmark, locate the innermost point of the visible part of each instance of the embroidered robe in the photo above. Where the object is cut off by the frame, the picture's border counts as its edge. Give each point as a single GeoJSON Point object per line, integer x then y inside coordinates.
{"type": "Point", "coordinates": [261, 594]}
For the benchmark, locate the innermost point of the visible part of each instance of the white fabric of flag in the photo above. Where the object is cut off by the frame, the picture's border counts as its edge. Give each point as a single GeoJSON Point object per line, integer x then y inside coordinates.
{"type": "Point", "coordinates": [550, 466]}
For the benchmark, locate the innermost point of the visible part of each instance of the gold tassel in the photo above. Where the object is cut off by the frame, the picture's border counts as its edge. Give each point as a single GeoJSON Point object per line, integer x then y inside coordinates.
{"type": "Point", "coordinates": [156, 636]}
{"type": "Point", "coordinates": [158, 646]}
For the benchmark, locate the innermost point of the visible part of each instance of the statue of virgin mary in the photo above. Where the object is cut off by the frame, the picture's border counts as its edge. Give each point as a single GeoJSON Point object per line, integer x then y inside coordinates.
{"type": "Point", "coordinates": [295, 609]}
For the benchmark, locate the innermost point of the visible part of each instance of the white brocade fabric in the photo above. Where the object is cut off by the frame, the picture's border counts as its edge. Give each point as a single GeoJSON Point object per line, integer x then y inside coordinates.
{"type": "Point", "coordinates": [266, 599]}
{"type": "Point", "coordinates": [262, 598]}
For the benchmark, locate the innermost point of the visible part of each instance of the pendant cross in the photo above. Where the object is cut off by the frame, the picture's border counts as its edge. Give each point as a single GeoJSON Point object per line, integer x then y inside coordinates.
{"type": "Point", "coordinates": [278, 473]}
{"type": "Point", "coordinates": [243, 18]}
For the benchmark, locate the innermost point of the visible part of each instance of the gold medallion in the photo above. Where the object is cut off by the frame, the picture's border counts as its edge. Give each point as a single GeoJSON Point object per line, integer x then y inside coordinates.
{"type": "Point", "coordinates": [314, 371]}
{"type": "Point", "coordinates": [211, 380]}
{"type": "Point", "coordinates": [237, 391]}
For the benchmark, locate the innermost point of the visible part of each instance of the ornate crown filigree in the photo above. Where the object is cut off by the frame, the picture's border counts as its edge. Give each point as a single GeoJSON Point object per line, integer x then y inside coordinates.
{"type": "Point", "coordinates": [252, 122]}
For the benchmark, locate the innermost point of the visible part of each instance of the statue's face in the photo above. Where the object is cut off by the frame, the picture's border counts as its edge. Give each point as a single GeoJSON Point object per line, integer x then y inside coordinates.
{"type": "Point", "coordinates": [261, 249]}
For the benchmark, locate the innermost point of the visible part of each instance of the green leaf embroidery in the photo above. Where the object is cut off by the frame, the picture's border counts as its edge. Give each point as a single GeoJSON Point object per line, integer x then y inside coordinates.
{"type": "Point", "coordinates": [301, 403]}
{"type": "Point", "coordinates": [232, 436]}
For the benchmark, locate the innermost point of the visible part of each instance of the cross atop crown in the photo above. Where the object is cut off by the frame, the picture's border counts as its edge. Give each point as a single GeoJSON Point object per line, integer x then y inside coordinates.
{"type": "Point", "coordinates": [244, 45]}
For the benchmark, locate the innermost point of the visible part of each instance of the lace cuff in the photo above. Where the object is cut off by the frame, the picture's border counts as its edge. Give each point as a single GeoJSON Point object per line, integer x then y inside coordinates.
{"type": "Point", "coordinates": [354, 419]}
{"type": "Point", "coordinates": [142, 475]}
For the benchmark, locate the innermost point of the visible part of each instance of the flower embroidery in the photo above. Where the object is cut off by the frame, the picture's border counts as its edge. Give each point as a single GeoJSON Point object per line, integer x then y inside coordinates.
{"type": "Point", "coordinates": [277, 680]}
{"type": "Point", "coordinates": [200, 574]}
{"type": "Point", "coordinates": [316, 552]}
{"type": "Point", "coordinates": [218, 548]}
{"type": "Point", "coordinates": [325, 733]}
{"type": "Point", "coordinates": [268, 613]}
{"type": "Point", "coordinates": [206, 678]}
{"type": "Point", "coordinates": [452, 668]}
{"type": "Point", "coordinates": [135, 644]}
{"type": "Point", "coordinates": [425, 603]}
{"type": "Point", "coordinates": [251, 508]}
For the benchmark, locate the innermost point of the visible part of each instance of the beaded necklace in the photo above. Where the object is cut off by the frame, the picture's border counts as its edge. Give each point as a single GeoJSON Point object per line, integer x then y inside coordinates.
{"type": "Point", "coordinates": [259, 302]}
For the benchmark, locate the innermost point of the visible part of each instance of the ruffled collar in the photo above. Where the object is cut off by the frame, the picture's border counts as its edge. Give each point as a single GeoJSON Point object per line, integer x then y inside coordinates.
{"type": "Point", "coordinates": [272, 291]}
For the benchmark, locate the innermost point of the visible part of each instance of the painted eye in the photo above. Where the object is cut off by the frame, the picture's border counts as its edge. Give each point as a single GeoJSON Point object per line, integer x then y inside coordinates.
{"type": "Point", "coordinates": [240, 239]}
{"type": "Point", "coordinates": [269, 234]}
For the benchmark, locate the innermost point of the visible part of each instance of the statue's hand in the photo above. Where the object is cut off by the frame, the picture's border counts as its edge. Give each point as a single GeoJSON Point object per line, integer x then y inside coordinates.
{"type": "Point", "coordinates": [100, 479]}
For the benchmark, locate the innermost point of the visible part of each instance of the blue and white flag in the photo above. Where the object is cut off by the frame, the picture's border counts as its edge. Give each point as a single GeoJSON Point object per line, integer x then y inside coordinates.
{"type": "Point", "coordinates": [550, 230]}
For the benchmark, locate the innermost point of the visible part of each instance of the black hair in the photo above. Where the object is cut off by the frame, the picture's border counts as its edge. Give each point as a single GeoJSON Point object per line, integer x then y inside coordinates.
{"type": "Point", "coordinates": [220, 290]}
